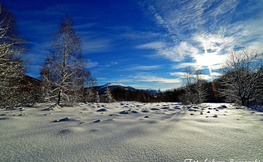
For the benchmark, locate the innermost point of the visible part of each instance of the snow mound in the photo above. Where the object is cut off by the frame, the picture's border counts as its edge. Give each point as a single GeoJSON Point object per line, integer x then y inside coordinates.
{"type": "Point", "coordinates": [102, 110]}
{"type": "Point", "coordinates": [65, 119]}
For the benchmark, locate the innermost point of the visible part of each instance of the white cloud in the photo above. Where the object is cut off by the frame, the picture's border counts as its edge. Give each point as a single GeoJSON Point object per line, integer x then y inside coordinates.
{"type": "Point", "coordinates": [177, 73]}
{"type": "Point", "coordinates": [95, 45]}
{"type": "Point", "coordinates": [144, 67]}
{"type": "Point", "coordinates": [111, 64]}
{"type": "Point", "coordinates": [114, 63]}
{"type": "Point", "coordinates": [152, 45]}
{"type": "Point", "coordinates": [91, 64]}
{"type": "Point", "coordinates": [180, 16]}
{"type": "Point", "coordinates": [216, 74]}
{"type": "Point", "coordinates": [174, 53]}
{"type": "Point", "coordinates": [144, 77]}
{"type": "Point", "coordinates": [184, 65]}
{"type": "Point", "coordinates": [203, 33]}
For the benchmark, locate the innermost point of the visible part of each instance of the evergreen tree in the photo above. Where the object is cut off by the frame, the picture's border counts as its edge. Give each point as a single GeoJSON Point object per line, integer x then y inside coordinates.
{"type": "Point", "coordinates": [97, 100]}
{"type": "Point", "coordinates": [107, 95]}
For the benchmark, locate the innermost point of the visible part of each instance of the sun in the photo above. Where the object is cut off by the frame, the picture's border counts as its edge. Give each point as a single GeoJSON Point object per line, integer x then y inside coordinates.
{"type": "Point", "coordinates": [206, 59]}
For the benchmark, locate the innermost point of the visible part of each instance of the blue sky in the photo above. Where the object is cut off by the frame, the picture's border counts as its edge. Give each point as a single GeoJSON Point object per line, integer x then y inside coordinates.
{"type": "Point", "coordinates": [144, 43]}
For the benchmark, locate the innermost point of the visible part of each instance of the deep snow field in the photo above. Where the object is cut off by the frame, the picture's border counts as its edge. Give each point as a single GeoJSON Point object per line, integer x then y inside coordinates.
{"type": "Point", "coordinates": [131, 131]}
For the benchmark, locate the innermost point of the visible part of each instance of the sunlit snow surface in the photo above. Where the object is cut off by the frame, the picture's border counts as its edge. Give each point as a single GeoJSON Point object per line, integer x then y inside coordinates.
{"type": "Point", "coordinates": [131, 131]}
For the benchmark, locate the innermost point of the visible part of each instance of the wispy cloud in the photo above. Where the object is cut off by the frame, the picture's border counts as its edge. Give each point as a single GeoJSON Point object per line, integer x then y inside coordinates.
{"type": "Point", "coordinates": [145, 77]}
{"type": "Point", "coordinates": [111, 64]}
{"type": "Point", "coordinates": [184, 65]}
{"type": "Point", "coordinates": [95, 45]}
{"type": "Point", "coordinates": [175, 53]}
{"type": "Point", "coordinates": [180, 16]}
{"type": "Point", "coordinates": [137, 35]}
{"type": "Point", "coordinates": [142, 68]}
{"type": "Point", "coordinates": [203, 33]}
{"type": "Point", "coordinates": [91, 64]}
{"type": "Point", "coordinates": [152, 45]}
{"type": "Point", "coordinates": [177, 74]}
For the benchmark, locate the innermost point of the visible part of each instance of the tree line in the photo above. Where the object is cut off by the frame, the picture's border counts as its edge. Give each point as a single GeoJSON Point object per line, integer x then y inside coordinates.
{"type": "Point", "coordinates": [241, 82]}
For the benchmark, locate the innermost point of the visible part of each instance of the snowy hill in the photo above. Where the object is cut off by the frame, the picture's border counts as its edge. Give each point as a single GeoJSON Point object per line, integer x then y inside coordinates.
{"type": "Point", "coordinates": [112, 86]}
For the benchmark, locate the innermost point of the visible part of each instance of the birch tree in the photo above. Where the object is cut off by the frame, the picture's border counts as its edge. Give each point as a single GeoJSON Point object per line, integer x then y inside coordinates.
{"type": "Point", "coordinates": [64, 68]}
{"type": "Point", "coordinates": [243, 77]}
{"type": "Point", "coordinates": [194, 91]}
{"type": "Point", "coordinates": [12, 46]}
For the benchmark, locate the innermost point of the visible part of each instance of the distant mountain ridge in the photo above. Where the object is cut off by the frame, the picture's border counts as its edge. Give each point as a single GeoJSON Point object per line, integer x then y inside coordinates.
{"type": "Point", "coordinates": [112, 86]}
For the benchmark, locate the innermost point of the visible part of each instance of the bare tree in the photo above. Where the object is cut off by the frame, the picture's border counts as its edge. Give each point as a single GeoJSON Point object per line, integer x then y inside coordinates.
{"type": "Point", "coordinates": [243, 77]}
{"type": "Point", "coordinates": [90, 93]}
{"type": "Point", "coordinates": [12, 46]}
{"type": "Point", "coordinates": [200, 90]}
{"type": "Point", "coordinates": [65, 68]}
{"type": "Point", "coordinates": [194, 91]}
{"type": "Point", "coordinates": [188, 97]}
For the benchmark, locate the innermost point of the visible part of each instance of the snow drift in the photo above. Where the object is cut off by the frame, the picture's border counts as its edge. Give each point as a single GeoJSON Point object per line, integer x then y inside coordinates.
{"type": "Point", "coordinates": [131, 131]}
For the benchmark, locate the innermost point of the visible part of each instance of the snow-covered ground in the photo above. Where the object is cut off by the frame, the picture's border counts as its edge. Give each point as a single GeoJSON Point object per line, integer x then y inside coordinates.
{"type": "Point", "coordinates": [131, 131]}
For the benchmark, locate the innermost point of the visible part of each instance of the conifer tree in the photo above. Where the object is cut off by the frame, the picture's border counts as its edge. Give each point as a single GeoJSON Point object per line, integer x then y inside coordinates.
{"type": "Point", "coordinates": [97, 100]}
{"type": "Point", "coordinates": [107, 95]}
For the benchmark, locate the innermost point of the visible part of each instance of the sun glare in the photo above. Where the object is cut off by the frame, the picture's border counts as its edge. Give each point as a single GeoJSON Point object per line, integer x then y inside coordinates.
{"type": "Point", "coordinates": [209, 58]}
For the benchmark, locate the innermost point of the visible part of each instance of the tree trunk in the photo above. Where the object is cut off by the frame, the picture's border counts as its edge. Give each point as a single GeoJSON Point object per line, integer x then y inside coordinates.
{"type": "Point", "coordinates": [59, 98]}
